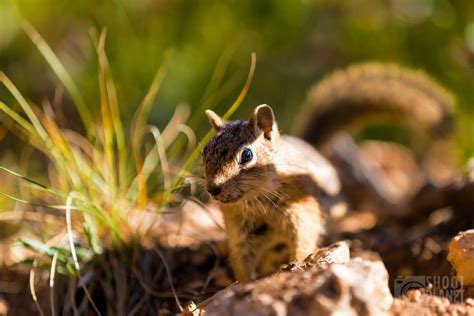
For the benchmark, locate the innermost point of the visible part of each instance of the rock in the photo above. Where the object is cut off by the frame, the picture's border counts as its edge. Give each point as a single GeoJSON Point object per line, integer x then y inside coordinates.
{"type": "Point", "coordinates": [428, 305]}
{"type": "Point", "coordinates": [191, 310]}
{"type": "Point", "coordinates": [414, 295]}
{"type": "Point", "coordinates": [3, 306]}
{"type": "Point", "coordinates": [363, 289]}
{"type": "Point", "coordinates": [335, 253]}
{"type": "Point", "coordinates": [461, 256]}
{"type": "Point", "coordinates": [318, 287]}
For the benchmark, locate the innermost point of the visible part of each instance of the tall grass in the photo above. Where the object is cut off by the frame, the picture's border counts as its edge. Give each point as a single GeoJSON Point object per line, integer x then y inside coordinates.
{"type": "Point", "coordinates": [99, 180]}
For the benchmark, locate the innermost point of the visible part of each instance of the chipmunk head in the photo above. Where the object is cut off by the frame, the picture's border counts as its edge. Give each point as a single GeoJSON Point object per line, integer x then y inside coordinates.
{"type": "Point", "coordinates": [238, 158]}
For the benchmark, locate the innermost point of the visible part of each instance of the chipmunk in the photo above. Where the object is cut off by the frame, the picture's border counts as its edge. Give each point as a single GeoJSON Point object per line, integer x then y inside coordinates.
{"type": "Point", "coordinates": [273, 190]}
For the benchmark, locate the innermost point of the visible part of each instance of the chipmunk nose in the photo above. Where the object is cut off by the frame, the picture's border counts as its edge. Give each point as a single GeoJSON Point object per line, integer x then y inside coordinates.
{"type": "Point", "coordinates": [214, 190]}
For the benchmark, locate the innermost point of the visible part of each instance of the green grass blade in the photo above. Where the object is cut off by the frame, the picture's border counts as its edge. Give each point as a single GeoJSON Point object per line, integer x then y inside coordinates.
{"type": "Point", "coordinates": [107, 128]}
{"type": "Point", "coordinates": [16, 174]}
{"type": "Point", "coordinates": [244, 91]}
{"type": "Point", "coordinates": [113, 108]}
{"type": "Point", "coordinates": [138, 124]}
{"type": "Point", "coordinates": [215, 82]}
{"type": "Point", "coordinates": [25, 106]}
{"type": "Point", "coordinates": [143, 111]}
{"type": "Point", "coordinates": [43, 248]}
{"type": "Point", "coordinates": [157, 154]}
{"type": "Point", "coordinates": [195, 154]}
{"type": "Point", "coordinates": [16, 199]}
{"type": "Point", "coordinates": [61, 72]}
{"type": "Point", "coordinates": [18, 119]}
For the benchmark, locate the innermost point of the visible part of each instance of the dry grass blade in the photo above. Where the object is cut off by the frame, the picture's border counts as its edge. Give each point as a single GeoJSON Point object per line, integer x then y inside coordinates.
{"type": "Point", "coordinates": [106, 75]}
{"type": "Point", "coordinates": [96, 176]}
{"type": "Point", "coordinates": [160, 146]}
{"type": "Point", "coordinates": [73, 251]}
{"type": "Point", "coordinates": [180, 116]}
{"type": "Point", "coordinates": [136, 134]}
{"type": "Point", "coordinates": [64, 155]}
{"type": "Point", "coordinates": [190, 135]}
{"type": "Point", "coordinates": [172, 130]}
{"type": "Point", "coordinates": [149, 165]}
{"type": "Point", "coordinates": [51, 282]}
{"type": "Point", "coordinates": [70, 302]}
{"type": "Point", "coordinates": [170, 279]}
{"type": "Point", "coordinates": [107, 129]}
{"type": "Point", "coordinates": [32, 286]}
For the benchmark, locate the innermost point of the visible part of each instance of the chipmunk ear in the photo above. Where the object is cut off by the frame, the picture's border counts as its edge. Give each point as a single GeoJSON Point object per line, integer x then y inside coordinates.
{"type": "Point", "coordinates": [215, 120]}
{"type": "Point", "coordinates": [263, 120]}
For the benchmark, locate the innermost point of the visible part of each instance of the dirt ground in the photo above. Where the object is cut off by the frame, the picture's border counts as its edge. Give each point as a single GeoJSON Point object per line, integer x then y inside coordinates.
{"type": "Point", "coordinates": [183, 258]}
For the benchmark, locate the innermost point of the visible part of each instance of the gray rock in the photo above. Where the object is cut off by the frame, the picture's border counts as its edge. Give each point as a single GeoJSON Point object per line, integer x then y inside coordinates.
{"type": "Point", "coordinates": [327, 283]}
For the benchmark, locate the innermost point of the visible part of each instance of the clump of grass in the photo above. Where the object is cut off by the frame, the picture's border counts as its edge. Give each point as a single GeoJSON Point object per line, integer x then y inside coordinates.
{"type": "Point", "coordinates": [99, 180]}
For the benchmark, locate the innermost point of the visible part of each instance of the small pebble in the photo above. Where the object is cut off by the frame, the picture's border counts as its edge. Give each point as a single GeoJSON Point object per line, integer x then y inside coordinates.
{"type": "Point", "coordinates": [470, 302]}
{"type": "Point", "coordinates": [414, 295]}
{"type": "Point", "coordinates": [3, 306]}
{"type": "Point", "coordinates": [191, 310]}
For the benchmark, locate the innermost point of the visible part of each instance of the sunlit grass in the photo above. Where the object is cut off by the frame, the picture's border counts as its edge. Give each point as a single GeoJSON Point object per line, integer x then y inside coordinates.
{"type": "Point", "coordinates": [98, 181]}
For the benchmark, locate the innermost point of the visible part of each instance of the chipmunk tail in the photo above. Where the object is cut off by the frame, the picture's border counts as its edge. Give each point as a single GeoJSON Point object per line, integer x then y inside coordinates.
{"type": "Point", "coordinates": [374, 92]}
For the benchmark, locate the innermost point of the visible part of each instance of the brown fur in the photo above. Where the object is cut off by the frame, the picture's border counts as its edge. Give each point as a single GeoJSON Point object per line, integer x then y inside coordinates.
{"type": "Point", "coordinates": [273, 206]}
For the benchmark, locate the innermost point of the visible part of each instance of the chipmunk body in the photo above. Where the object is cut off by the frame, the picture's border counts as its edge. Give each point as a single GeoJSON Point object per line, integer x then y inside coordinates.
{"type": "Point", "coordinates": [273, 190]}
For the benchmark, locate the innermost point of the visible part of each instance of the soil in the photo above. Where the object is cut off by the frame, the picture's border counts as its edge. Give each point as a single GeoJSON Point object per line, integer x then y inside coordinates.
{"type": "Point", "coordinates": [184, 258]}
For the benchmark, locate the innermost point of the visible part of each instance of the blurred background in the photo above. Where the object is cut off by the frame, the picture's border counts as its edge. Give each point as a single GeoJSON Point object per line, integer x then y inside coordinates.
{"type": "Point", "coordinates": [206, 47]}
{"type": "Point", "coordinates": [296, 42]}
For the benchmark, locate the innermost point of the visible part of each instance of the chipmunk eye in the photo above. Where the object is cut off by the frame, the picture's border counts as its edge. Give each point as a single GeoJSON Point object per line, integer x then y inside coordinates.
{"type": "Point", "coordinates": [246, 156]}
